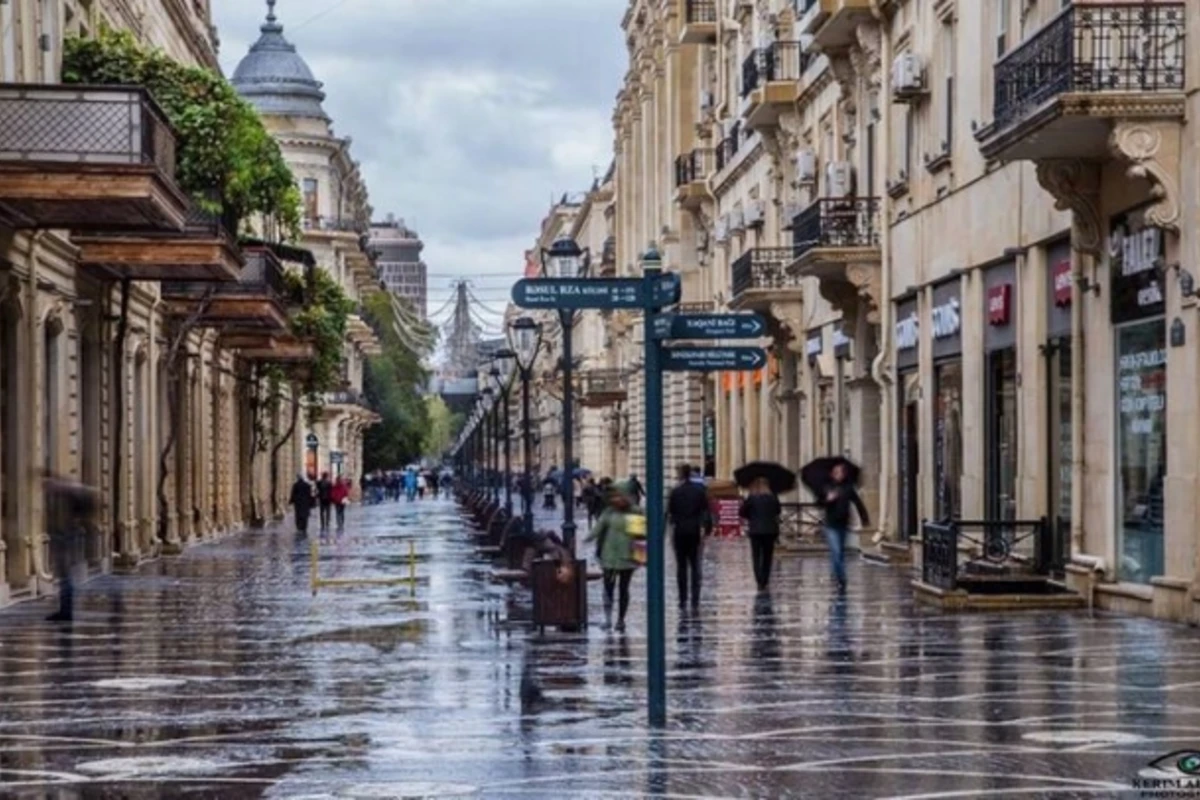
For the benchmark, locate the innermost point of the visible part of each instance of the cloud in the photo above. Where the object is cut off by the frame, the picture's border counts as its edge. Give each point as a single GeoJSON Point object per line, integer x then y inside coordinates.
{"type": "Point", "coordinates": [467, 116]}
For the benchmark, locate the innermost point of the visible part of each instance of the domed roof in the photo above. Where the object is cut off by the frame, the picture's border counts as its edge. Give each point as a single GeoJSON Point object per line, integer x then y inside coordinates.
{"type": "Point", "coordinates": [275, 79]}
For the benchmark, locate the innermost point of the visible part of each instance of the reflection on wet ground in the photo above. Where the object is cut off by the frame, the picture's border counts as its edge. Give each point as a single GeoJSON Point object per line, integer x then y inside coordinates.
{"type": "Point", "coordinates": [219, 675]}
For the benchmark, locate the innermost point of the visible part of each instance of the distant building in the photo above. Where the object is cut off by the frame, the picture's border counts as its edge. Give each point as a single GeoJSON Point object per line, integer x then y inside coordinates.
{"type": "Point", "coordinates": [400, 265]}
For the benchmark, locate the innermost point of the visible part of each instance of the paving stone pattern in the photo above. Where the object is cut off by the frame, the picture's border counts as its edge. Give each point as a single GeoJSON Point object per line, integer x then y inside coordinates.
{"type": "Point", "coordinates": [219, 675]}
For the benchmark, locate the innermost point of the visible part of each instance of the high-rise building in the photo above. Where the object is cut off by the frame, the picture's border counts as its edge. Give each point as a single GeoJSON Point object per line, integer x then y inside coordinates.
{"type": "Point", "coordinates": [400, 265]}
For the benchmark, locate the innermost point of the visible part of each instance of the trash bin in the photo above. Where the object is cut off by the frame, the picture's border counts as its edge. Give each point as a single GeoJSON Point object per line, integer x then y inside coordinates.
{"type": "Point", "coordinates": [559, 593]}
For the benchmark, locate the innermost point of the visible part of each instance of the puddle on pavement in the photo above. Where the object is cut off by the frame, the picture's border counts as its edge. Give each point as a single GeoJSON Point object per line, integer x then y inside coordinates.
{"type": "Point", "coordinates": [385, 638]}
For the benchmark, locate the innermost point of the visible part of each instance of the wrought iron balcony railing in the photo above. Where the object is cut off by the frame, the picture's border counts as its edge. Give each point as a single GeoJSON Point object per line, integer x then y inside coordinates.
{"type": "Point", "coordinates": [837, 222]}
{"type": "Point", "coordinates": [728, 147]}
{"type": "Point", "coordinates": [762, 268]}
{"type": "Point", "coordinates": [84, 124]}
{"type": "Point", "coordinates": [693, 166]}
{"type": "Point", "coordinates": [1093, 47]}
{"type": "Point", "coordinates": [778, 61]}
{"type": "Point", "coordinates": [334, 224]}
{"type": "Point", "coordinates": [700, 11]}
{"type": "Point", "coordinates": [262, 275]}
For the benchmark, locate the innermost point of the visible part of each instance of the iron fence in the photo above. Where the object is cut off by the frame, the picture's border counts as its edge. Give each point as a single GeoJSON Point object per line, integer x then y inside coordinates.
{"type": "Point", "coordinates": [801, 520]}
{"type": "Point", "coordinates": [982, 546]}
{"type": "Point", "coordinates": [762, 268]}
{"type": "Point", "coordinates": [837, 222]}
{"type": "Point", "coordinates": [728, 147]}
{"type": "Point", "coordinates": [1093, 47]}
{"type": "Point", "coordinates": [84, 124]}
{"type": "Point", "coordinates": [701, 11]}
{"type": "Point", "coordinates": [693, 166]}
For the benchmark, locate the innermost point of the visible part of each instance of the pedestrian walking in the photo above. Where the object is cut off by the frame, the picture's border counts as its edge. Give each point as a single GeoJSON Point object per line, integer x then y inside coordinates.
{"type": "Point", "coordinates": [761, 510]}
{"type": "Point", "coordinates": [69, 507]}
{"type": "Point", "coordinates": [837, 498]}
{"type": "Point", "coordinates": [341, 498]}
{"type": "Point", "coordinates": [636, 488]}
{"type": "Point", "coordinates": [325, 500]}
{"type": "Point", "coordinates": [434, 484]}
{"type": "Point", "coordinates": [421, 485]}
{"type": "Point", "coordinates": [549, 492]}
{"type": "Point", "coordinates": [691, 520]}
{"type": "Point", "coordinates": [302, 502]}
{"type": "Point", "coordinates": [614, 534]}
{"type": "Point", "coordinates": [410, 484]}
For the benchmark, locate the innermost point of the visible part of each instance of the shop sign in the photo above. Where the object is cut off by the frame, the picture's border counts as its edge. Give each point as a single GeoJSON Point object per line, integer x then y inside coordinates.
{"type": "Point", "coordinates": [726, 514]}
{"type": "Point", "coordinates": [813, 347]}
{"type": "Point", "coordinates": [710, 435]}
{"type": "Point", "coordinates": [1062, 283]}
{"type": "Point", "coordinates": [946, 320]}
{"type": "Point", "coordinates": [1136, 255]}
{"type": "Point", "coordinates": [999, 304]}
{"type": "Point", "coordinates": [841, 343]}
{"type": "Point", "coordinates": [908, 332]}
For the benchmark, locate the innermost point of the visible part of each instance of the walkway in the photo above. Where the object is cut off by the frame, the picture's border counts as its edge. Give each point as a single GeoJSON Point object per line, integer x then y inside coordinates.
{"type": "Point", "coordinates": [218, 675]}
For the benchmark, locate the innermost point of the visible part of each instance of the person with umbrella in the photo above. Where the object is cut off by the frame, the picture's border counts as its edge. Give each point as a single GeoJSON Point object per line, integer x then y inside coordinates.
{"type": "Point", "coordinates": [761, 510]}
{"type": "Point", "coordinates": [833, 481]}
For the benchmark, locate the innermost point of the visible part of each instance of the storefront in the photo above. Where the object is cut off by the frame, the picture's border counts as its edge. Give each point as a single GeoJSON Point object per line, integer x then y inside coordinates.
{"type": "Point", "coordinates": [908, 348]}
{"type": "Point", "coordinates": [1000, 392]}
{"type": "Point", "coordinates": [1059, 421]}
{"type": "Point", "coordinates": [946, 324]}
{"type": "Point", "coordinates": [1136, 254]}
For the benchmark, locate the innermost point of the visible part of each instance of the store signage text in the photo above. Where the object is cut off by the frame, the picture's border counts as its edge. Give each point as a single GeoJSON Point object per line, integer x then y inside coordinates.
{"type": "Point", "coordinates": [999, 301]}
{"type": "Point", "coordinates": [1062, 283]}
{"type": "Point", "coordinates": [908, 332]}
{"type": "Point", "coordinates": [946, 319]}
{"type": "Point", "coordinates": [1136, 256]}
{"type": "Point", "coordinates": [813, 346]}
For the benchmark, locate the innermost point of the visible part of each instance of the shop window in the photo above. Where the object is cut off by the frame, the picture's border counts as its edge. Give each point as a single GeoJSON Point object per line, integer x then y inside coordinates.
{"type": "Point", "coordinates": [1141, 448]}
{"type": "Point", "coordinates": [310, 200]}
{"type": "Point", "coordinates": [947, 439]}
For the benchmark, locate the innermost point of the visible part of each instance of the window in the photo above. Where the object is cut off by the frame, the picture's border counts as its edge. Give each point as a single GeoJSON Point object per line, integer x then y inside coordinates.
{"type": "Point", "coordinates": [947, 439]}
{"type": "Point", "coordinates": [948, 42]}
{"type": "Point", "coordinates": [1002, 16]}
{"type": "Point", "coordinates": [310, 200]}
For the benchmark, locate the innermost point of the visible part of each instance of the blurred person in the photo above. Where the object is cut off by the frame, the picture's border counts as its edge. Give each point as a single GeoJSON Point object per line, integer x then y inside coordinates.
{"type": "Point", "coordinates": [70, 507]}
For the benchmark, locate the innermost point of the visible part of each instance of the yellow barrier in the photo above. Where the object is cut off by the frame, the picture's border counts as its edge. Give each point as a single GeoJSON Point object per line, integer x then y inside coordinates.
{"type": "Point", "coordinates": [317, 581]}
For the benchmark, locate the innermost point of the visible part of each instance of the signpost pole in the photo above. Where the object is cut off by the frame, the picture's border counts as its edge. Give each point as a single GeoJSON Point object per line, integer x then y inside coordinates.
{"type": "Point", "coordinates": [656, 660]}
{"type": "Point", "coordinates": [567, 320]}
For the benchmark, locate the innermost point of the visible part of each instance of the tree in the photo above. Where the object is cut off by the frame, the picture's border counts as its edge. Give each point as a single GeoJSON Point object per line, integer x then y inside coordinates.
{"type": "Point", "coordinates": [393, 383]}
{"type": "Point", "coordinates": [441, 429]}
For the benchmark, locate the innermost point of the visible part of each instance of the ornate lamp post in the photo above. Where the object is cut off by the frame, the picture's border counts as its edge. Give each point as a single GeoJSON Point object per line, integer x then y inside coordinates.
{"type": "Point", "coordinates": [525, 339]}
{"type": "Point", "coordinates": [502, 372]}
{"type": "Point", "coordinates": [565, 259]}
{"type": "Point", "coordinates": [489, 438]}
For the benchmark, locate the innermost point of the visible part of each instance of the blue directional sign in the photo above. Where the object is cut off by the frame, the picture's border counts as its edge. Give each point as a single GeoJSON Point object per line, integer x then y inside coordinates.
{"type": "Point", "coordinates": [551, 293]}
{"type": "Point", "coordinates": [713, 359]}
{"type": "Point", "coordinates": [665, 290]}
{"type": "Point", "coordinates": [709, 326]}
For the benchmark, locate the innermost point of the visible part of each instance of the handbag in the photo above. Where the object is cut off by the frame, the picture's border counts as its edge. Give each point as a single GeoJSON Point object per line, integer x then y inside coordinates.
{"type": "Point", "coordinates": [635, 528]}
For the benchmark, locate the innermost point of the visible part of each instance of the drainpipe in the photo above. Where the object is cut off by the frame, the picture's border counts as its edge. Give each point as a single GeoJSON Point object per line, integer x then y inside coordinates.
{"type": "Point", "coordinates": [881, 368]}
{"type": "Point", "coordinates": [33, 537]}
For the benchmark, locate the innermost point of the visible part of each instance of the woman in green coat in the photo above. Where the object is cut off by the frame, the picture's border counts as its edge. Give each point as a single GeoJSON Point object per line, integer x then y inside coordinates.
{"type": "Point", "coordinates": [614, 548]}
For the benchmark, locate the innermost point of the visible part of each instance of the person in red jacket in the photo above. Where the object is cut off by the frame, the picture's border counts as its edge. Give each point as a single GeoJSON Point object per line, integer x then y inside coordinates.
{"type": "Point", "coordinates": [340, 495]}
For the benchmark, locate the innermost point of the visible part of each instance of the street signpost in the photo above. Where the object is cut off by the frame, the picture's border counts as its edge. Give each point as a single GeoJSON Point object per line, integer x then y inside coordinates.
{"type": "Point", "coordinates": [651, 293]}
{"type": "Point", "coordinates": [311, 441]}
{"type": "Point", "coordinates": [713, 359]}
{"type": "Point", "coordinates": [709, 326]}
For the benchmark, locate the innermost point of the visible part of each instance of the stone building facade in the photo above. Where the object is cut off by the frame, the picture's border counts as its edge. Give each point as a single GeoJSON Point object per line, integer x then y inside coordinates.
{"type": "Point", "coordinates": [977, 271]}
{"type": "Point", "coordinates": [398, 249]}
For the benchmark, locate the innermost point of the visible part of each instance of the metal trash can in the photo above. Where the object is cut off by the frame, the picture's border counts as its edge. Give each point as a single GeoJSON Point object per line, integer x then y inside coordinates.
{"type": "Point", "coordinates": [559, 594]}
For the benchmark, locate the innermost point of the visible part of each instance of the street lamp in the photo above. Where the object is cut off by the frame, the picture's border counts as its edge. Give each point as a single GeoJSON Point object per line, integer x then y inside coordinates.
{"type": "Point", "coordinates": [566, 259]}
{"type": "Point", "coordinates": [489, 438]}
{"type": "Point", "coordinates": [502, 372]}
{"type": "Point", "coordinates": [525, 339]}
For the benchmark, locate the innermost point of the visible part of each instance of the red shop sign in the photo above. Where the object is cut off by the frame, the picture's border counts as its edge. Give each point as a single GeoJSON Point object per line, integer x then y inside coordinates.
{"type": "Point", "coordinates": [725, 515]}
{"type": "Point", "coordinates": [1061, 274]}
{"type": "Point", "coordinates": [999, 304]}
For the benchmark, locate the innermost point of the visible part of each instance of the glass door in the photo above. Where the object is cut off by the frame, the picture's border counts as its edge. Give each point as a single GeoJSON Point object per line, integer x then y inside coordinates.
{"type": "Point", "coordinates": [1002, 435]}
{"type": "Point", "coordinates": [908, 456]}
{"type": "Point", "coordinates": [1058, 434]}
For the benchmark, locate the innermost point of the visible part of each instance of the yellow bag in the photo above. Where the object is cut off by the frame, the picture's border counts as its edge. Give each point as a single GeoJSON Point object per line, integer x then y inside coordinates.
{"type": "Point", "coordinates": [635, 526]}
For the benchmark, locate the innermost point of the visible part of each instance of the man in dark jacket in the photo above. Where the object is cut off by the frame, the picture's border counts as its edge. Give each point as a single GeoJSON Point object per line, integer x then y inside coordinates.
{"type": "Point", "coordinates": [302, 502]}
{"type": "Point", "coordinates": [837, 499]}
{"type": "Point", "coordinates": [325, 498]}
{"type": "Point", "coordinates": [688, 513]}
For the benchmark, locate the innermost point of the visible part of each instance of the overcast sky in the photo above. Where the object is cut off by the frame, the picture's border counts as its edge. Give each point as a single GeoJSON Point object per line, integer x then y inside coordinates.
{"type": "Point", "coordinates": [468, 116]}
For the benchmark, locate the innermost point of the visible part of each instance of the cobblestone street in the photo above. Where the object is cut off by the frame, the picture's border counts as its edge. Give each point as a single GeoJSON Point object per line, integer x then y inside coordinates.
{"type": "Point", "coordinates": [219, 675]}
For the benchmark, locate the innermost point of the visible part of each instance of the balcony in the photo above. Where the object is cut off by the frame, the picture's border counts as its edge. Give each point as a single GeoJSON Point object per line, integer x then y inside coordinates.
{"type": "Point", "coordinates": [691, 177]}
{"type": "Point", "coordinates": [836, 241]}
{"type": "Point", "coordinates": [88, 159]}
{"type": "Point", "coordinates": [269, 347]}
{"type": "Point", "coordinates": [1059, 93]}
{"type": "Point", "coordinates": [699, 22]}
{"type": "Point", "coordinates": [771, 82]}
{"type": "Point", "coordinates": [832, 22]}
{"type": "Point", "coordinates": [599, 388]}
{"type": "Point", "coordinates": [255, 301]}
{"type": "Point", "coordinates": [203, 251]}
{"type": "Point", "coordinates": [760, 278]}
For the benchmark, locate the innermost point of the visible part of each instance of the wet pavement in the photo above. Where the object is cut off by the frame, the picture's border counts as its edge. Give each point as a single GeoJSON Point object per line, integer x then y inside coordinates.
{"type": "Point", "coordinates": [219, 675]}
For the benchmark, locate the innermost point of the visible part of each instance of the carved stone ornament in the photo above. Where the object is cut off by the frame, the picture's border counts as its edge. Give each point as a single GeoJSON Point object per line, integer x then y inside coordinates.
{"type": "Point", "coordinates": [865, 278]}
{"type": "Point", "coordinates": [790, 328]}
{"type": "Point", "coordinates": [1075, 186]}
{"type": "Point", "coordinates": [843, 73]}
{"type": "Point", "coordinates": [1152, 158]}
{"type": "Point", "coordinates": [870, 46]}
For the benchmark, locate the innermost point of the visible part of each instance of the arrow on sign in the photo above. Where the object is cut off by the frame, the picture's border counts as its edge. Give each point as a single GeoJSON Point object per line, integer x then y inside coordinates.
{"type": "Point", "coordinates": [713, 359]}
{"type": "Point", "coordinates": [711, 326]}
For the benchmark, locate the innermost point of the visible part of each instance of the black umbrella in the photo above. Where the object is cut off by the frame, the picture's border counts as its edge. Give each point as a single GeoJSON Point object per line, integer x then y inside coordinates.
{"type": "Point", "coordinates": [818, 473]}
{"type": "Point", "coordinates": [781, 479]}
